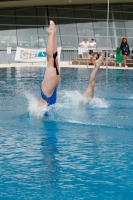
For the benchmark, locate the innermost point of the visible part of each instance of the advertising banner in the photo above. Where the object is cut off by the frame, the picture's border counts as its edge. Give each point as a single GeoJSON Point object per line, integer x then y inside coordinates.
{"type": "Point", "coordinates": [32, 55]}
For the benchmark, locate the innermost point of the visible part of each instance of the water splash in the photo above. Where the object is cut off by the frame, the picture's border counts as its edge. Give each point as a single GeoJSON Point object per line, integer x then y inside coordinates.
{"type": "Point", "coordinates": [33, 109]}
{"type": "Point", "coordinates": [99, 103]}
{"type": "Point", "coordinates": [68, 106]}
{"type": "Point", "coordinates": [69, 99]}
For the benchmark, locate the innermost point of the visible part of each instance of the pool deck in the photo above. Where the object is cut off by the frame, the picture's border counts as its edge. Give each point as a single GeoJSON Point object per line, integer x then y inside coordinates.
{"type": "Point", "coordinates": [62, 64]}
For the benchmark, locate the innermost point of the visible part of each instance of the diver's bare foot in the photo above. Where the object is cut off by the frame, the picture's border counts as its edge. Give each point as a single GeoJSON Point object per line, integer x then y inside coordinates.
{"type": "Point", "coordinates": [52, 24]}
{"type": "Point", "coordinates": [99, 61]}
{"type": "Point", "coordinates": [51, 29]}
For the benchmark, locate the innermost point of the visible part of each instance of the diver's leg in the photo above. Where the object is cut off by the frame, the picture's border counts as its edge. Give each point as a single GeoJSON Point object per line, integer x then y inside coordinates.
{"type": "Point", "coordinates": [50, 44]}
{"type": "Point", "coordinates": [55, 55]}
{"type": "Point", "coordinates": [49, 82]}
{"type": "Point", "coordinates": [90, 90]}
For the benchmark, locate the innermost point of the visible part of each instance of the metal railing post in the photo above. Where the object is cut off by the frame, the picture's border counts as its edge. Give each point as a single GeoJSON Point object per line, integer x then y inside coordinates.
{"type": "Point", "coordinates": [87, 59]}
{"type": "Point", "coordinates": [107, 34]}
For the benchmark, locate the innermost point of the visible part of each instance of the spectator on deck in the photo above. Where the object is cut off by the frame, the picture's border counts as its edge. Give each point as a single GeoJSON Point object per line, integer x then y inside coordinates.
{"type": "Point", "coordinates": [92, 45]}
{"type": "Point", "coordinates": [85, 46]}
{"type": "Point", "coordinates": [125, 50]}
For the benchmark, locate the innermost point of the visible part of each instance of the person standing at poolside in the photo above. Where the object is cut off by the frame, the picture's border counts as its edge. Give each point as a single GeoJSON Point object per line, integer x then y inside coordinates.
{"type": "Point", "coordinates": [89, 93]}
{"type": "Point", "coordinates": [125, 50]}
{"type": "Point", "coordinates": [92, 45]}
{"type": "Point", "coordinates": [85, 46]}
{"type": "Point", "coordinates": [51, 78]}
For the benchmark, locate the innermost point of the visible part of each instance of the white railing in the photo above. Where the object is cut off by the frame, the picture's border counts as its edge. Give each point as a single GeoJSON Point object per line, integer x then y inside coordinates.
{"type": "Point", "coordinates": [69, 54]}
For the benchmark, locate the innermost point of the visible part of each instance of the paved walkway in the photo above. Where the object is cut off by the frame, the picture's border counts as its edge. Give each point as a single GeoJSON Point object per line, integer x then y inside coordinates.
{"type": "Point", "coordinates": [62, 64]}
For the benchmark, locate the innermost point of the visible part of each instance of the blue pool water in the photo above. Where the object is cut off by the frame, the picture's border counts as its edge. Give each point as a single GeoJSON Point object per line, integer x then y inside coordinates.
{"type": "Point", "coordinates": [78, 152]}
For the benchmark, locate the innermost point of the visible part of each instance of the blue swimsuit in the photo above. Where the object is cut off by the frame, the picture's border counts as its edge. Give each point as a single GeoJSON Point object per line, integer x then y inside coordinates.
{"type": "Point", "coordinates": [50, 100]}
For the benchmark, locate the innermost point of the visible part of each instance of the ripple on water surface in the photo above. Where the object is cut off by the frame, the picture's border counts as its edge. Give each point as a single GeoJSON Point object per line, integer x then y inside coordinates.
{"type": "Point", "coordinates": [78, 151]}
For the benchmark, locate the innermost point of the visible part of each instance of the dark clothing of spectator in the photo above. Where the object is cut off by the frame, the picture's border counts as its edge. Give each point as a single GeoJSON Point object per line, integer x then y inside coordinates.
{"type": "Point", "coordinates": [125, 49]}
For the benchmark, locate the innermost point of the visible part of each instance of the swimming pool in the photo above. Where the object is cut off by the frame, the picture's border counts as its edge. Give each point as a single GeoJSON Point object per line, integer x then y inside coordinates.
{"type": "Point", "coordinates": [78, 152]}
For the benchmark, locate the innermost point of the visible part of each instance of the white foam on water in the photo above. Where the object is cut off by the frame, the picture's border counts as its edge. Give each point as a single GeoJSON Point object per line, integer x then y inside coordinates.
{"type": "Point", "coordinates": [68, 106]}
{"type": "Point", "coordinates": [70, 109]}
{"type": "Point", "coordinates": [77, 122]}
{"type": "Point", "coordinates": [33, 109]}
{"type": "Point", "coordinates": [69, 99]}
{"type": "Point", "coordinates": [94, 124]}
{"type": "Point", "coordinates": [99, 103]}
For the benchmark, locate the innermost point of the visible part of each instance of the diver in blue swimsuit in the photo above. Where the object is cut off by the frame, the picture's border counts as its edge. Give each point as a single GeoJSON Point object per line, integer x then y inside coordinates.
{"type": "Point", "coordinates": [51, 78]}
